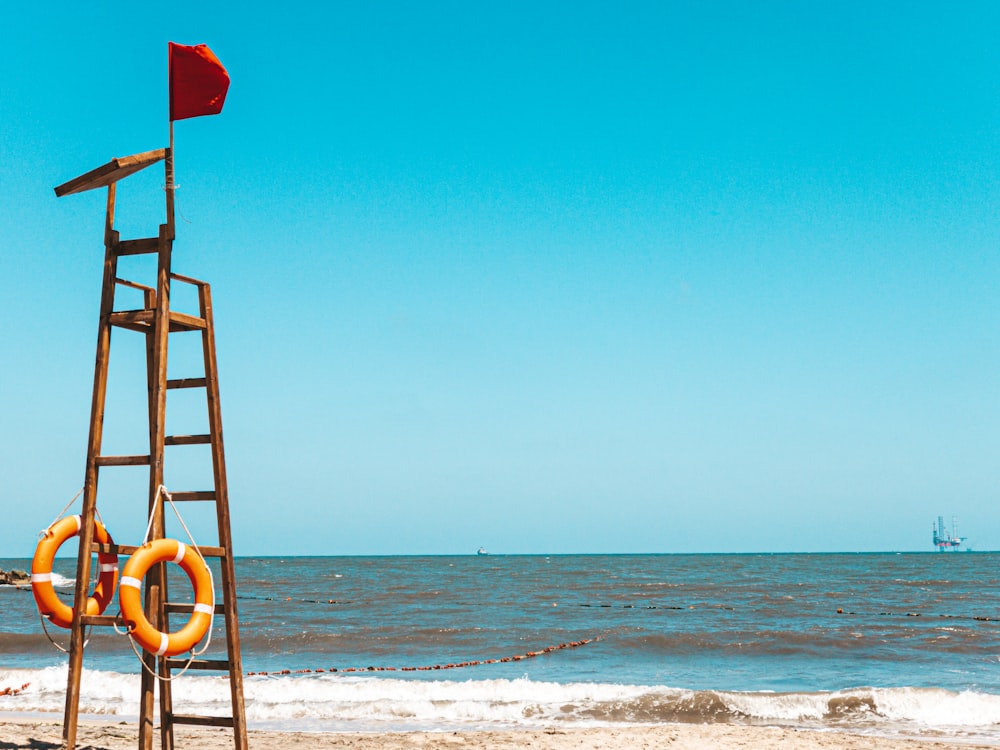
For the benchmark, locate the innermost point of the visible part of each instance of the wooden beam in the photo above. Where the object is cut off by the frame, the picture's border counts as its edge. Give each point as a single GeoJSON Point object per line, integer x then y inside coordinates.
{"type": "Point", "coordinates": [188, 608]}
{"type": "Point", "coordinates": [128, 549]}
{"type": "Point", "coordinates": [217, 665]}
{"type": "Point", "coordinates": [187, 439]}
{"type": "Point", "coordinates": [121, 460]}
{"type": "Point", "coordinates": [100, 620]}
{"type": "Point", "coordinates": [187, 279]}
{"type": "Point", "coordinates": [134, 285]}
{"type": "Point", "coordinates": [187, 383]}
{"type": "Point", "coordinates": [211, 551]}
{"type": "Point", "coordinates": [136, 320]}
{"type": "Point", "coordinates": [202, 721]}
{"type": "Point", "coordinates": [108, 174]}
{"type": "Point", "coordinates": [138, 247]}
{"type": "Point", "coordinates": [113, 549]}
{"type": "Point", "coordinates": [181, 497]}
{"type": "Point", "coordinates": [184, 322]}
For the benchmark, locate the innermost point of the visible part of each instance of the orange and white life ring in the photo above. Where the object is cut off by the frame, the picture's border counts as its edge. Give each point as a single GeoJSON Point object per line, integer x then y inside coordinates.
{"type": "Point", "coordinates": [141, 630]}
{"type": "Point", "coordinates": [41, 571]}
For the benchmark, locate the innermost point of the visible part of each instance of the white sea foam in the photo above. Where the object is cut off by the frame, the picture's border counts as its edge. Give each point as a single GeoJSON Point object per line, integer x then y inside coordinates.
{"type": "Point", "coordinates": [939, 708]}
{"type": "Point", "coordinates": [359, 703]}
{"type": "Point", "coordinates": [925, 707]}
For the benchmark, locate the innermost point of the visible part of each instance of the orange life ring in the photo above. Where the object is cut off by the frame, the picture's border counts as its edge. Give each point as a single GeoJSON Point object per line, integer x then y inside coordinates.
{"type": "Point", "coordinates": [41, 571]}
{"type": "Point", "coordinates": [151, 639]}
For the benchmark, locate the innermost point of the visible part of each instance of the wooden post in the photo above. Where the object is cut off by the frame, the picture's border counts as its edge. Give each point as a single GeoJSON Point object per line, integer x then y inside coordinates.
{"type": "Point", "coordinates": [81, 593]}
{"type": "Point", "coordinates": [156, 578]}
{"type": "Point", "coordinates": [168, 182]}
{"type": "Point", "coordinates": [233, 652]}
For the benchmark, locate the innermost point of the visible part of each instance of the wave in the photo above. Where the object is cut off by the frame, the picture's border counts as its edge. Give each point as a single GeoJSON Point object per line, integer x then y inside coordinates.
{"type": "Point", "coordinates": [339, 702]}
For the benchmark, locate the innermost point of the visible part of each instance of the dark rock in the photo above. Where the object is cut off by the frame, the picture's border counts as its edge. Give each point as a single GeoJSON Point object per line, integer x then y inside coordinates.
{"type": "Point", "coordinates": [14, 578]}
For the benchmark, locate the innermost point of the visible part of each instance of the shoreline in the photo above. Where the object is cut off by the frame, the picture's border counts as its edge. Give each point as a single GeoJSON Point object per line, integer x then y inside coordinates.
{"type": "Point", "coordinates": [28, 733]}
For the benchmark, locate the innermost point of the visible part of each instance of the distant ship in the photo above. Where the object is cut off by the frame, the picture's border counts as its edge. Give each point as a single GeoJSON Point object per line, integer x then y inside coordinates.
{"type": "Point", "coordinates": [947, 540]}
{"type": "Point", "coordinates": [482, 551]}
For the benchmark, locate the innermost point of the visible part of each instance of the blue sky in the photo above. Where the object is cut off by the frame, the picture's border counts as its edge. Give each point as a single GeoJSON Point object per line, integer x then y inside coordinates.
{"type": "Point", "coordinates": [590, 277]}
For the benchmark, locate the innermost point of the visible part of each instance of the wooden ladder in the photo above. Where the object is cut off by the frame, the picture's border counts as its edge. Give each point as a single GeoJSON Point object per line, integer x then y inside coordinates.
{"type": "Point", "coordinates": [157, 322]}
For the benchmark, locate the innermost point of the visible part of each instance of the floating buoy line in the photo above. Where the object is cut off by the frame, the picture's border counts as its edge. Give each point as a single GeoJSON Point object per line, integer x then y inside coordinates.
{"type": "Point", "coordinates": [14, 690]}
{"type": "Point", "coordinates": [289, 599]}
{"type": "Point", "coordinates": [977, 618]}
{"type": "Point", "coordinates": [432, 667]}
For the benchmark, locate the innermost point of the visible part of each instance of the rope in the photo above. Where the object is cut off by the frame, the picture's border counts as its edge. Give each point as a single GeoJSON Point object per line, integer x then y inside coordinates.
{"type": "Point", "coordinates": [142, 661]}
{"type": "Point", "coordinates": [62, 513]}
{"type": "Point", "coordinates": [45, 629]}
{"type": "Point", "coordinates": [458, 665]}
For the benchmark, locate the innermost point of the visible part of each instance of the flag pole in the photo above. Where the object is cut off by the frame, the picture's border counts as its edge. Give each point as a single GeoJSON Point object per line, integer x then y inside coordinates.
{"type": "Point", "coordinates": [169, 179]}
{"type": "Point", "coordinates": [168, 164]}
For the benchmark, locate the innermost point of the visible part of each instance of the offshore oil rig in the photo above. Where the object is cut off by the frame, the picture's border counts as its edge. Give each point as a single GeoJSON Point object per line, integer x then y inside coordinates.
{"type": "Point", "coordinates": [945, 540]}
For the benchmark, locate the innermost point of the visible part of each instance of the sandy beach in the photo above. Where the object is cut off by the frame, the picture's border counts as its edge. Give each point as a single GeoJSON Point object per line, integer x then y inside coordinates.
{"type": "Point", "coordinates": [29, 734]}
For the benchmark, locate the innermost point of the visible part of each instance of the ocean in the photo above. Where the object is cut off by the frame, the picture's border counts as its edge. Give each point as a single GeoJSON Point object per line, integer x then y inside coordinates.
{"type": "Point", "coordinates": [888, 644]}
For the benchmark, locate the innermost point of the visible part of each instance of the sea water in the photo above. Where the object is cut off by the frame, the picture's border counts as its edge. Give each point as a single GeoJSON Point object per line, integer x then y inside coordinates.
{"type": "Point", "coordinates": [904, 644]}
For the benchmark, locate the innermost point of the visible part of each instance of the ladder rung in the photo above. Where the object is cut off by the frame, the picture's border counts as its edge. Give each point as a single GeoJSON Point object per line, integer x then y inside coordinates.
{"type": "Point", "coordinates": [204, 721]}
{"type": "Point", "coordinates": [216, 665]}
{"type": "Point", "coordinates": [139, 247]}
{"type": "Point", "coordinates": [187, 383]}
{"type": "Point", "coordinates": [134, 285]}
{"type": "Point", "coordinates": [188, 280]}
{"type": "Point", "coordinates": [141, 320]}
{"type": "Point", "coordinates": [137, 320]}
{"type": "Point", "coordinates": [128, 549]}
{"type": "Point", "coordinates": [104, 620]}
{"type": "Point", "coordinates": [189, 496]}
{"type": "Point", "coordinates": [184, 322]}
{"type": "Point", "coordinates": [188, 608]}
{"type": "Point", "coordinates": [122, 460]}
{"type": "Point", "coordinates": [113, 549]}
{"type": "Point", "coordinates": [187, 439]}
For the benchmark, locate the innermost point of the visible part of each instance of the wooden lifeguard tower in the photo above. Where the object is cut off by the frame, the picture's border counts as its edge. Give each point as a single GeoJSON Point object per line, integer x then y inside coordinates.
{"type": "Point", "coordinates": [157, 322]}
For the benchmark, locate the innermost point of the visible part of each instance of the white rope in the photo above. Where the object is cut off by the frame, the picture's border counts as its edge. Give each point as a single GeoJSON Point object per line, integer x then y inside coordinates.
{"type": "Point", "coordinates": [171, 678]}
{"type": "Point", "coordinates": [152, 514]}
{"type": "Point", "coordinates": [131, 642]}
{"type": "Point", "coordinates": [61, 514]}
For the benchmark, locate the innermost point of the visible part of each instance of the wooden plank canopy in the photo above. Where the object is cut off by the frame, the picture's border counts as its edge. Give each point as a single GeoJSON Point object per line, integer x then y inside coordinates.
{"type": "Point", "coordinates": [116, 169]}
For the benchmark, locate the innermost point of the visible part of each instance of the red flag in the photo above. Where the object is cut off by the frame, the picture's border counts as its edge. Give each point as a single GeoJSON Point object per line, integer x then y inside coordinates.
{"type": "Point", "coordinates": [198, 82]}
